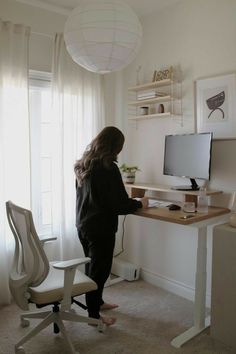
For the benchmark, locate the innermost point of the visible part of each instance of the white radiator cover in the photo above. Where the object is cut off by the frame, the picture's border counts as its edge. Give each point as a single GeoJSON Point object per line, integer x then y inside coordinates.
{"type": "Point", "coordinates": [125, 270]}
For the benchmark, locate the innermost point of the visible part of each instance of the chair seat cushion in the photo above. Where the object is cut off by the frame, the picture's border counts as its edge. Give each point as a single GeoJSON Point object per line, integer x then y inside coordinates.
{"type": "Point", "coordinates": [52, 288]}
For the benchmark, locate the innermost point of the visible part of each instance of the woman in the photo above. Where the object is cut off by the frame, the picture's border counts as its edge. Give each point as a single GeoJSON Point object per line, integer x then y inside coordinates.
{"type": "Point", "coordinates": [101, 197]}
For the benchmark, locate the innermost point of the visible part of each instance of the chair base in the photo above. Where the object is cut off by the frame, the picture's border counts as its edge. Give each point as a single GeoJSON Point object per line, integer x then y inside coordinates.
{"type": "Point", "coordinates": [49, 317]}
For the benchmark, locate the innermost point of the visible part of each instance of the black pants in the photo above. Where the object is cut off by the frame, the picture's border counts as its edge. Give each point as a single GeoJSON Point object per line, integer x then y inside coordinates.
{"type": "Point", "coordinates": [99, 247]}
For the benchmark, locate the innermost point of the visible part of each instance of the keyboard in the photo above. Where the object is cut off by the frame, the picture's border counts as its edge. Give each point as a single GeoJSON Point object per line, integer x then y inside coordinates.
{"type": "Point", "coordinates": [157, 203]}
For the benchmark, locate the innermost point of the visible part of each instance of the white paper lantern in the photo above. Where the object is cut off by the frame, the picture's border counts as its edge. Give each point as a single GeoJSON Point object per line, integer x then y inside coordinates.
{"type": "Point", "coordinates": [103, 36]}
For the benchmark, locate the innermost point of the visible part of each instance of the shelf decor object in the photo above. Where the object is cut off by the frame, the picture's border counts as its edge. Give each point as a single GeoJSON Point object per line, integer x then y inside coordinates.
{"type": "Point", "coordinates": [216, 106]}
{"type": "Point", "coordinates": [103, 36]}
{"type": "Point", "coordinates": [163, 74]}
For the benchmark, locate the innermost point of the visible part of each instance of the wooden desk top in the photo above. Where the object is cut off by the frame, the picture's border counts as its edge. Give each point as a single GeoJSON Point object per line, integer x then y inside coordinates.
{"type": "Point", "coordinates": [176, 216]}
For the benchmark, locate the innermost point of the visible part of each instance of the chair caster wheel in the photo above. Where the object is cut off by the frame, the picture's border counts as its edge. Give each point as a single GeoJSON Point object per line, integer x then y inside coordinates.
{"type": "Point", "coordinates": [24, 322]}
{"type": "Point", "coordinates": [19, 350]}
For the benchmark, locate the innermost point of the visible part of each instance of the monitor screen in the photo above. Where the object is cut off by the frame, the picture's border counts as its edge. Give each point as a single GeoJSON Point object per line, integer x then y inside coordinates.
{"type": "Point", "coordinates": [188, 155]}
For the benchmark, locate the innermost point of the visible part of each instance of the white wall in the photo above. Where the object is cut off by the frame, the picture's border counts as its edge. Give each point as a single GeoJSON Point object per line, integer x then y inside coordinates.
{"type": "Point", "coordinates": [200, 37]}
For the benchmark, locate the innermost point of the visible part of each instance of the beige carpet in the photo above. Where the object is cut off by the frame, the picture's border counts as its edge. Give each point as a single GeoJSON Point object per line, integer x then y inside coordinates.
{"type": "Point", "coordinates": [148, 319]}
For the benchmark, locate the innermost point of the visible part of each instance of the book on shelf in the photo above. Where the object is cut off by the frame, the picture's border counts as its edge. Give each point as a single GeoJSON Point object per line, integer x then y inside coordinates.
{"type": "Point", "coordinates": [150, 94]}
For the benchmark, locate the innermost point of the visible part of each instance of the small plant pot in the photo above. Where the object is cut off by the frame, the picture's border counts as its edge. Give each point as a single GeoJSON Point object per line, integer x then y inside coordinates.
{"type": "Point", "coordinates": [128, 177]}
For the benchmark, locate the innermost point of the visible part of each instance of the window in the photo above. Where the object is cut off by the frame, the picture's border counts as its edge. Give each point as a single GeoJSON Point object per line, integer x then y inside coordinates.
{"type": "Point", "coordinates": [41, 130]}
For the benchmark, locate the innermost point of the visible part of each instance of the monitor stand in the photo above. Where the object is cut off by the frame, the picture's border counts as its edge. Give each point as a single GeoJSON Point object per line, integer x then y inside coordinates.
{"type": "Point", "coordinates": [193, 187]}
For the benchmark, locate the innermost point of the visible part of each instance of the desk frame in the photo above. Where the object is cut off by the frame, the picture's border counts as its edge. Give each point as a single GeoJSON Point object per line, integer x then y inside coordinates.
{"type": "Point", "coordinates": [201, 322]}
{"type": "Point", "coordinates": [201, 222]}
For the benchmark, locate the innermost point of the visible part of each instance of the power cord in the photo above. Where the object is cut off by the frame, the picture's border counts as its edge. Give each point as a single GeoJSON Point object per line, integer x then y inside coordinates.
{"type": "Point", "coordinates": [122, 238]}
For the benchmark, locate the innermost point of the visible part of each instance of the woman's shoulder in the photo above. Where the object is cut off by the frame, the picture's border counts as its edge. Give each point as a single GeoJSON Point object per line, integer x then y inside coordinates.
{"type": "Point", "coordinates": [101, 168]}
{"type": "Point", "coordinates": [113, 167]}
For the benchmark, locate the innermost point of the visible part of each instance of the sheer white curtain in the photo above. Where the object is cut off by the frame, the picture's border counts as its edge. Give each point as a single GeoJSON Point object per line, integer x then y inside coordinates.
{"type": "Point", "coordinates": [14, 136]}
{"type": "Point", "coordinates": [78, 115]}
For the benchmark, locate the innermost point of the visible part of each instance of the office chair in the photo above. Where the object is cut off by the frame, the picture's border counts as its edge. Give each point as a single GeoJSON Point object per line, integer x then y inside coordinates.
{"type": "Point", "coordinates": [34, 280]}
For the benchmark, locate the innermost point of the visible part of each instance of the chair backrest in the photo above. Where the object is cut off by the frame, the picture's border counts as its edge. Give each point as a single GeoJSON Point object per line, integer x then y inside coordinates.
{"type": "Point", "coordinates": [30, 264]}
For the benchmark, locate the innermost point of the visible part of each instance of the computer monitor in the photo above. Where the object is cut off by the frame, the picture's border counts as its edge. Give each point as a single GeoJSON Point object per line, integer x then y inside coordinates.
{"type": "Point", "coordinates": [188, 155]}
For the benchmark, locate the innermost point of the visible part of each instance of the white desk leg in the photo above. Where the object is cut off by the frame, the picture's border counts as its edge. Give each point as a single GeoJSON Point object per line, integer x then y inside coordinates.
{"type": "Point", "coordinates": [200, 323]}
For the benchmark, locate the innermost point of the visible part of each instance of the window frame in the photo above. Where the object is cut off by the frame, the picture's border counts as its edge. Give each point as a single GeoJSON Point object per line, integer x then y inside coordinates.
{"type": "Point", "coordinates": [38, 80]}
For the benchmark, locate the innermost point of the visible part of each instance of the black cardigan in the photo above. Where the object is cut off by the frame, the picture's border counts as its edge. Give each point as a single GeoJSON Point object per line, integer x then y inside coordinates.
{"type": "Point", "coordinates": [101, 198]}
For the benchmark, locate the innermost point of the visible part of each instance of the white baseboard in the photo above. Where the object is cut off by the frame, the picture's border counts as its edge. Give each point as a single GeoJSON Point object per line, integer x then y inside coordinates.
{"type": "Point", "coordinates": [171, 285]}
{"type": "Point", "coordinates": [112, 280]}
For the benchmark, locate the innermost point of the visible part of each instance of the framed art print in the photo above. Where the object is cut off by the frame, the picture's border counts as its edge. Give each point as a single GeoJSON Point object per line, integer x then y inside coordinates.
{"type": "Point", "coordinates": [216, 106]}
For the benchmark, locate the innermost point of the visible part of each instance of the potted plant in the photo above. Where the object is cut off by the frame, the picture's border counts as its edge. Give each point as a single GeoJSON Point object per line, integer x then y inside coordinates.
{"type": "Point", "coordinates": [128, 173]}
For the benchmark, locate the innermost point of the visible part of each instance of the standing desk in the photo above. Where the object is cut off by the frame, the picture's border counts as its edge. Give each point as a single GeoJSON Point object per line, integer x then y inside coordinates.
{"type": "Point", "coordinates": [201, 221]}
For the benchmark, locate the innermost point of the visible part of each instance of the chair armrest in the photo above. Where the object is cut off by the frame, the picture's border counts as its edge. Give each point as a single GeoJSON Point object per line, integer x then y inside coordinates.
{"type": "Point", "coordinates": [47, 239]}
{"type": "Point", "coordinates": [69, 268]}
{"type": "Point", "coordinates": [72, 263]}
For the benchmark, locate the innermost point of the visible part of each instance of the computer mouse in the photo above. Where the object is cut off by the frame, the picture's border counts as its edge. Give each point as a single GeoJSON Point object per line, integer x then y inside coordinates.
{"type": "Point", "coordinates": [174, 207]}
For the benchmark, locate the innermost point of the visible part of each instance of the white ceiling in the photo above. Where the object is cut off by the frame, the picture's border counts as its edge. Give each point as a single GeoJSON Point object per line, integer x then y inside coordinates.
{"type": "Point", "coordinates": [141, 7]}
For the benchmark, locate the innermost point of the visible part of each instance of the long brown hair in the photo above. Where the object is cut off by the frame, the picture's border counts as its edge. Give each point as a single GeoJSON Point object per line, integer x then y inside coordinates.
{"type": "Point", "coordinates": [104, 148]}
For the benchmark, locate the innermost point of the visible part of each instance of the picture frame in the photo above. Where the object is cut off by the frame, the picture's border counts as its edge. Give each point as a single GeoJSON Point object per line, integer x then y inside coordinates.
{"type": "Point", "coordinates": [163, 74]}
{"type": "Point", "coordinates": [216, 106]}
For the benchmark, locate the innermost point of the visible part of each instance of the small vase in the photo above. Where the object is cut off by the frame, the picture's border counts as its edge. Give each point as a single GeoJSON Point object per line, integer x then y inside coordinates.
{"type": "Point", "coordinates": [129, 177]}
{"type": "Point", "coordinates": [161, 108]}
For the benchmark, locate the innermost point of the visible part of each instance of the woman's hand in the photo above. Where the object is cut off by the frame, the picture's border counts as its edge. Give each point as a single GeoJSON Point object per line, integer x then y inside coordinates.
{"type": "Point", "coordinates": [144, 202]}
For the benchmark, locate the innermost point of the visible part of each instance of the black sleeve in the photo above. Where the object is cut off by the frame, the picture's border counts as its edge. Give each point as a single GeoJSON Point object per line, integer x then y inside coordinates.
{"type": "Point", "coordinates": [113, 196]}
